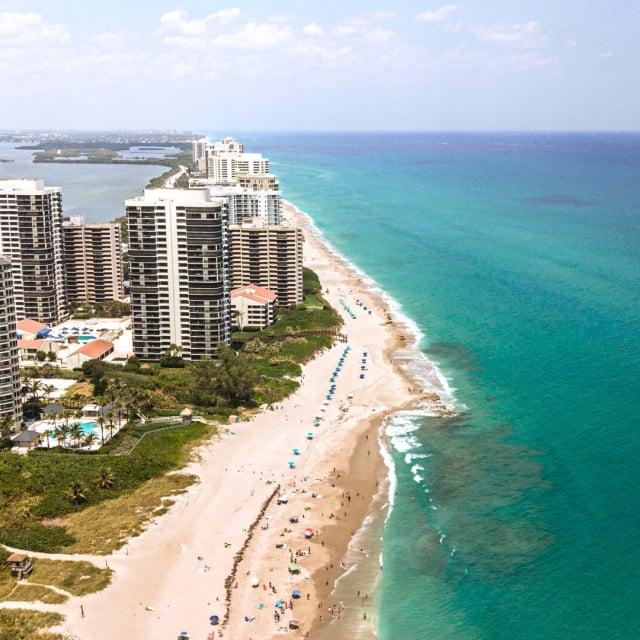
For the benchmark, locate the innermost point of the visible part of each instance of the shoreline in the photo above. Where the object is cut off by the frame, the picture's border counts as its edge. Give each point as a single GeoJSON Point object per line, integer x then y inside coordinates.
{"type": "Point", "coordinates": [218, 543]}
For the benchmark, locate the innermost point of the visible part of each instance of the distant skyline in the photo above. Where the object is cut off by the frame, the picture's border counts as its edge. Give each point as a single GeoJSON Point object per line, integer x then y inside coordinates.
{"type": "Point", "coordinates": [327, 66]}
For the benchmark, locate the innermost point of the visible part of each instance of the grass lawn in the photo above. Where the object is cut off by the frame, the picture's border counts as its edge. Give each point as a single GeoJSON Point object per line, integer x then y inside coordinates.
{"type": "Point", "coordinates": [24, 624]}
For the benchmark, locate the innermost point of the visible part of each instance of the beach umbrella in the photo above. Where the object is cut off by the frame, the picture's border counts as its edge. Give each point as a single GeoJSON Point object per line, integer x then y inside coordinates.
{"type": "Point", "coordinates": [279, 603]}
{"type": "Point", "coordinates": [214, 619]}
{"type": "Point", "coordinates": [293, 624]}
{"type": "Point", "coordinates": [184, 634]}
{"type": "Point", "coordinates": [296, 452]}
{"type": "Point", "coordinates": [295, 593]}
{"type": "Point", "coordinates": [310, 435]}
{"type": "Point", "coordinates": [308, 532]}
{"type": "Point", "coordinates": [255, 582]}
{"type": "Point", "coordinates": [294, 568]}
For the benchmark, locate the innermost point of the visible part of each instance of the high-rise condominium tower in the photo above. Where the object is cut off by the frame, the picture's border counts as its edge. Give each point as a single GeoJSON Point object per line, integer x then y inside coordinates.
{"type": "Point", "coordinates": [31, 240]}
{"type": "Point", "coordinates": [10, 400]}
{"type": "Point", "coordinates": [269, 256]}
{"type": "Point", "coordinates": [93, 261]}
{"type": "Point", "coordinates": [180, 291]}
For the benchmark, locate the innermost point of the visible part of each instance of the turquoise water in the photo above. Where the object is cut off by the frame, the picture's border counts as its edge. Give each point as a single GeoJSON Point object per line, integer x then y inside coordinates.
{"type": "Point", "coordinates": [518, 257]}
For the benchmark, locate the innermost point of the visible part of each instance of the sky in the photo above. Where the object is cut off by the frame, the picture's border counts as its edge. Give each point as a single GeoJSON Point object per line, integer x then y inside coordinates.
{"type": "Point", "coordinates": [322, 65]}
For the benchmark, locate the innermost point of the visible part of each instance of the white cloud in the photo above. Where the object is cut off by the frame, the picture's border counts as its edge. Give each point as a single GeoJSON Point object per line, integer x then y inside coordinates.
{"type": "Point", "coordinates": [313, 30]}
{"type": "Point", "coordinates": [443, 13]}
{"type": "Point", "coordinates": [256, 36]}
{"type": "Point", "coordinates": [178, 21]}
{"type": "Point", "coordinates": [526, 35]}
{"type": "Point", "coordinates": [26, 29]}
{"type": "Point", "coordinates": [384, 15]}
{"type": "Point", "coordinates": [605, 55]}
{"type": "Point", "coordinates": [112, 40]}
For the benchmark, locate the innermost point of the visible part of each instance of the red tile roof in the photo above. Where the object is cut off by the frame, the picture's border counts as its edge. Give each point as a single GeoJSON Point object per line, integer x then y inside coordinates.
{"type": "Point", "coordinates": [255, 293]}
{"type": "Point", "coordinates": [30, 326]}
{"type": "Point", "coordinates": [95, 348]}
{"type": "Point", "coordinates": [30, 344]}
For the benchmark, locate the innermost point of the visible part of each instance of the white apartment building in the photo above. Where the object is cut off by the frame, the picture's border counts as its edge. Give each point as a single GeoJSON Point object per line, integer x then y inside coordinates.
{"type": "Point", "coordinates": [243, 204]}
{"type": "Point", "coordinates": [93, 261]}
{"type": "Point", "coordinates": [253, 307]}
{"type": "Point", "coordinates": [222, 160]}
{"type": "Point", "coordinates": [10, 397]}
{"type": "Point", "coordinates": [178, 254]}
{"type": "Point", "coordinates": [31, 240]}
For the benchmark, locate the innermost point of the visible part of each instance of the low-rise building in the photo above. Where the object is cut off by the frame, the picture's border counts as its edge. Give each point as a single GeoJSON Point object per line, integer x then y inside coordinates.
{"type": "Point", "coordinates": [253, 306]}
{"type": "Point", "coordinates": [31, 329]}
{"type": "Point", "coordinates": [97, 349]}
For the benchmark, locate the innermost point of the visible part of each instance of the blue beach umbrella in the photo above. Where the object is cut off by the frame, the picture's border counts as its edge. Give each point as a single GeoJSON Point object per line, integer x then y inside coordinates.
{"type": "Point", "coordinates": [295, 593]}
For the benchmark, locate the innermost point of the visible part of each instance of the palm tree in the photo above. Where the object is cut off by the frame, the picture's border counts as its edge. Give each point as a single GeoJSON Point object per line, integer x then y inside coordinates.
{"type": "Point", "coordinates": [76, 433]}
{"type": "Point", "coordinates": [34, 387]}
{"type": "Point", "coordinates": [111, 425]}
{"type": "Point", "coordinates": [101, 421]}
{"type": "Point", "coordinates": [7, 423]}
{"type": "Point", "coordinates": [46, 433]}
{"type": "Point", "coordinates": [106, 479]}
{"type": "Point", "coordinates": [90, 438]}
{"type": "Point", "coordinates": [48, 389]}
{"type": "Point", "coordinates": [60, 433]}
{"type": "Point", "coordinates": [76, 493]}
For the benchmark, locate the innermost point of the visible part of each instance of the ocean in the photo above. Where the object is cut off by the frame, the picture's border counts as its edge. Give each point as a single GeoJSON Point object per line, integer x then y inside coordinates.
{"type": "Point", "coordinates": [516, 259]}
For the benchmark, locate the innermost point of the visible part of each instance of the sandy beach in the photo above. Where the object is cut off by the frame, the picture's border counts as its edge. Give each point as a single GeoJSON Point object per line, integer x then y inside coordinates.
{"type": "Point", "coordinates": [227, 548]}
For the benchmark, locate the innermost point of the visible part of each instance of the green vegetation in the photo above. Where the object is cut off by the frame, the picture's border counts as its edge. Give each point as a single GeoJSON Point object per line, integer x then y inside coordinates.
{"type": "Point", "coordinates": [77, 577]}
{"type": "Point", "coordinates": [104, 309]}
{"type": "Point", "coordinates": [66, 499]}
{"type": "Point", "coordinates": [40, 492]}
{"type": "Point", "coordinates": [25, 624]}
{"type": "Point", "coordinates": [174, 162]}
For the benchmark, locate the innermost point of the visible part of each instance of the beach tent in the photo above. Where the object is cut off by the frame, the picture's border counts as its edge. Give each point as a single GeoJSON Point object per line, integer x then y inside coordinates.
{"type": "Point", "coordinates": [294, 624]}
{"type": "Point", "coordinates": [294, 568]}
